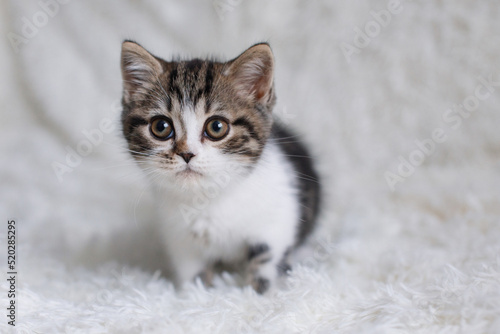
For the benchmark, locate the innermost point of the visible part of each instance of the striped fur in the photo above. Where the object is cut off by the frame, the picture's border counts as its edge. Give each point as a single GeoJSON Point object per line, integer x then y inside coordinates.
{"type": "Point", "coordinates": [200, 86]}
{"type": "Point", "coordinates": [185, 96]}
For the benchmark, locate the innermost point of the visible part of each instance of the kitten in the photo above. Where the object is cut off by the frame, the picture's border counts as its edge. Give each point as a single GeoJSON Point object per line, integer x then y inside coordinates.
{"type": "Point", "coordinates": [233, 186]}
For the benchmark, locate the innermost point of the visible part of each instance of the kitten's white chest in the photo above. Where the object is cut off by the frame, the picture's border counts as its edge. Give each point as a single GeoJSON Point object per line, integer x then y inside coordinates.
{"type": "Point", "coordinates": [262, 207]}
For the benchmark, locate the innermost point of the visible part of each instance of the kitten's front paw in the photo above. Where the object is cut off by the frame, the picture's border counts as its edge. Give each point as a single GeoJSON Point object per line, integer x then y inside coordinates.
{"type": "Point", "coordinates": [260, 284]}
{"type": "Point", "coordinates": [259, 257]}
{"type": "Point", "coordinates": [207, 277]}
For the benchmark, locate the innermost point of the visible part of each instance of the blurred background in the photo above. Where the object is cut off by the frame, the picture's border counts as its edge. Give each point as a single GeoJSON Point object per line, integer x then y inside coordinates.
{"type": "Point", "coordinates": [365, 83]}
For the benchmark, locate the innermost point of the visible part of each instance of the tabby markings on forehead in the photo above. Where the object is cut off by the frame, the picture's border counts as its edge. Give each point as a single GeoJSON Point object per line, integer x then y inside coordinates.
{"type": "Point", "coordinates": [189, 82]}
{"type": "Point", "coordinates": [194, 65]}
{"type": "Point", "coordinates": [173, 88]}
{"type": "Point", "coordinates": [209, 79]}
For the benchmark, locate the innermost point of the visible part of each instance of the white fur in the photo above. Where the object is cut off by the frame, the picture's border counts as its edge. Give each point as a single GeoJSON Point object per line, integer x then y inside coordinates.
{"type": "Point", "coordinates": [225, 218]}
{"type": "Point", "coordinates": [193, 131]}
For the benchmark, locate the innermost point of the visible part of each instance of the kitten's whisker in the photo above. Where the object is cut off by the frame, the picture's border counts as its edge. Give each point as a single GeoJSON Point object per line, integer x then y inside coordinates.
{"type": "Point", "coordinates": [139, 174]}
{"type": "Point", "coordinates": [297, 156]}
{"type": "Point", "coordinates": [138, 152]}
{"type": "Point", "coordinates": [295, 172]}
{"type": "Point", "coordinates": [282, 138]}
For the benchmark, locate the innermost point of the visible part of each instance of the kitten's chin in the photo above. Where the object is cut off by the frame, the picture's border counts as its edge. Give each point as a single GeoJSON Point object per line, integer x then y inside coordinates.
{"type": "Point", "coordinates": [188, 178]}
{"type": "Point", "coordinates": [189, 174]}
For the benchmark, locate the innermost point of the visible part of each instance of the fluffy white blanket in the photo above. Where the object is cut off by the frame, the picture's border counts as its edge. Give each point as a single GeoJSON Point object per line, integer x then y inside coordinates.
{"type": "Point", "coordinates": [394, 100]}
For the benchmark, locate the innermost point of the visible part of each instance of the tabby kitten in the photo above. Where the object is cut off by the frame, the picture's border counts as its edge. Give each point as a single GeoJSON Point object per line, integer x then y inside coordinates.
{"type": "Point", "coordinates": [233, 187]}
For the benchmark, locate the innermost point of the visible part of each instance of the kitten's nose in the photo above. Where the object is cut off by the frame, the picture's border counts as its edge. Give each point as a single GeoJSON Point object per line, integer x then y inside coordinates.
{"type": "Point", "coordinates": [186, 156]}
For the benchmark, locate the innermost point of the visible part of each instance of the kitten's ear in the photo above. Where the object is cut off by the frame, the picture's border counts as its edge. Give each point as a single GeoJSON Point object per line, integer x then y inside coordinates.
{"type": "Point", "coordinates": [139, 68]}
{"type": "Point", "coordinates": [252, 73]}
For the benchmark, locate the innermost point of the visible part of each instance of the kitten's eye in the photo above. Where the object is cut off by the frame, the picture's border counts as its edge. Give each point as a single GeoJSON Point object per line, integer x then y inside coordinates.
{"type": "Point", "coordinates": [162, 128]}
{"type": "Point", "coordinates": [216, 128]}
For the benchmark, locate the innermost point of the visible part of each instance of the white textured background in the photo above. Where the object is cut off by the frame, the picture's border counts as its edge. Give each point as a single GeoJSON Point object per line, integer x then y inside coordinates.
{"type": "Point", "coordinates": [423, 258]}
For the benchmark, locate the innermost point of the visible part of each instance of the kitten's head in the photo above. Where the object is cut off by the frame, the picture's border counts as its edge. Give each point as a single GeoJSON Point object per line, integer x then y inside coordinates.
{"type": "Point", "coordinates": [188, 121]}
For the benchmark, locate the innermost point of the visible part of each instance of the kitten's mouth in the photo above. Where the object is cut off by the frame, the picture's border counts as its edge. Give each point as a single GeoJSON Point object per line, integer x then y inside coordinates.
{"type": "Point", "coordinates": [188, 172]}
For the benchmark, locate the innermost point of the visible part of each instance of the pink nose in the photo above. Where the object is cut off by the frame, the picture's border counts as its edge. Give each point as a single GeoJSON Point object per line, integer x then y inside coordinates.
{"type": "Point", "coordinates": [187, 156]}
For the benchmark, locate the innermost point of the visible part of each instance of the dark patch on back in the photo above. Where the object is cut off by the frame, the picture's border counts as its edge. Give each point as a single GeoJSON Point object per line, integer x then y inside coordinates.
{"type": "Point", "coordinates": [306, 176]}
